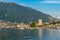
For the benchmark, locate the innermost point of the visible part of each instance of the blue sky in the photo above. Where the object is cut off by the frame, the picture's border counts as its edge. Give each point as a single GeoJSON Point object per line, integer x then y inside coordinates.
{"type": "Point", "coordinates": [50, 7]}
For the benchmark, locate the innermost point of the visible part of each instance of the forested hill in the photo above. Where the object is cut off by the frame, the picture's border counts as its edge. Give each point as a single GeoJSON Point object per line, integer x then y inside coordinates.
{"type": "Point", "coordinates": [18, 13]}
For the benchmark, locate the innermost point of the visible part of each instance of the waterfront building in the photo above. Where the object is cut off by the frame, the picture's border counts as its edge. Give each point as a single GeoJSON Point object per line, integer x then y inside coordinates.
{"type": "Point", "coordinates": [39, 22]}
{"type": "Point", "coordinates": [22, 26]}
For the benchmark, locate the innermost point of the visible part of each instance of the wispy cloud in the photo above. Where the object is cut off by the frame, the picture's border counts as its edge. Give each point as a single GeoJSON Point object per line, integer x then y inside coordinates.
{"type": "Point", "coordinates": [22, 4]}
{"type": "Point", "coordinates": [49, 2]}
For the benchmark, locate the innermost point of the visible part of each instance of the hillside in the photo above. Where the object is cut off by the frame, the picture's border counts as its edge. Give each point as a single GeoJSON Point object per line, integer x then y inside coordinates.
{"type": "Point", "coordinates": [18, 13]}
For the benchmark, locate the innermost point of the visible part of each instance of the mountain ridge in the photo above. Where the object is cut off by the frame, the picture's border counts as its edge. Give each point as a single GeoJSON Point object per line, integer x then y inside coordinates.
{"type": "Point", "coordinates": [18, 13]}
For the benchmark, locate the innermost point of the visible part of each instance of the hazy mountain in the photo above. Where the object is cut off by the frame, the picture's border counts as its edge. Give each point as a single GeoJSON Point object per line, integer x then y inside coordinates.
{"type": "Point", "coordinates": [17, 13]}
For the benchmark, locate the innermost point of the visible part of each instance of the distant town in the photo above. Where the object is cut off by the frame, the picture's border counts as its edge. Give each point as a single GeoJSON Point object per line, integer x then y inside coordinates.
{"type": "Point", "coordinates": [39, 24]}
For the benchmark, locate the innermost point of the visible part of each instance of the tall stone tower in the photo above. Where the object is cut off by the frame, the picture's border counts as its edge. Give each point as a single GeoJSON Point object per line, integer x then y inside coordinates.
{"type": "Point", "coordinates": [40, 22]}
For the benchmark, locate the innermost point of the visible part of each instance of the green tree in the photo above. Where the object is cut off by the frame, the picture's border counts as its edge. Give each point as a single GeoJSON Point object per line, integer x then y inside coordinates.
{"type": "Point", "coordinates": [32, 24]}
{"type": "Point", "coordinates": [53, 23]}
{"type": "Point", "coordinates": [58, 22]}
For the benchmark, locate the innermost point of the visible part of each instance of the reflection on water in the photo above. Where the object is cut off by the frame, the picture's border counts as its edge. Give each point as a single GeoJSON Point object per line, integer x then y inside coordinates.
{"type": "Point", "coordinates": [50, 34]}
{"type": "Point", "coordinates": [29, 34]}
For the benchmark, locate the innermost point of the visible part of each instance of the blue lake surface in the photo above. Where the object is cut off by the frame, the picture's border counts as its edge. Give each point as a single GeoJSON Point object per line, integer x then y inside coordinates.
{"type": "Point", "coordinates": [29, 34]}
{"type": "Point", "coordinates": [50, 34]}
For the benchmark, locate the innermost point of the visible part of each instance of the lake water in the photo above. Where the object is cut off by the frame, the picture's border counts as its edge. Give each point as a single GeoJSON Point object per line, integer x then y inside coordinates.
{"type": "Point", "coordinates": [50, 34]}
{"type": "Point", "coordinates": [29, 34]}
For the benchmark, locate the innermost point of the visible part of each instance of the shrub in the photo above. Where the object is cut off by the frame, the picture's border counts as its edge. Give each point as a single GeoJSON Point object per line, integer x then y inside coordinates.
{"type": "Point", "coordinates": [32, 24]}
